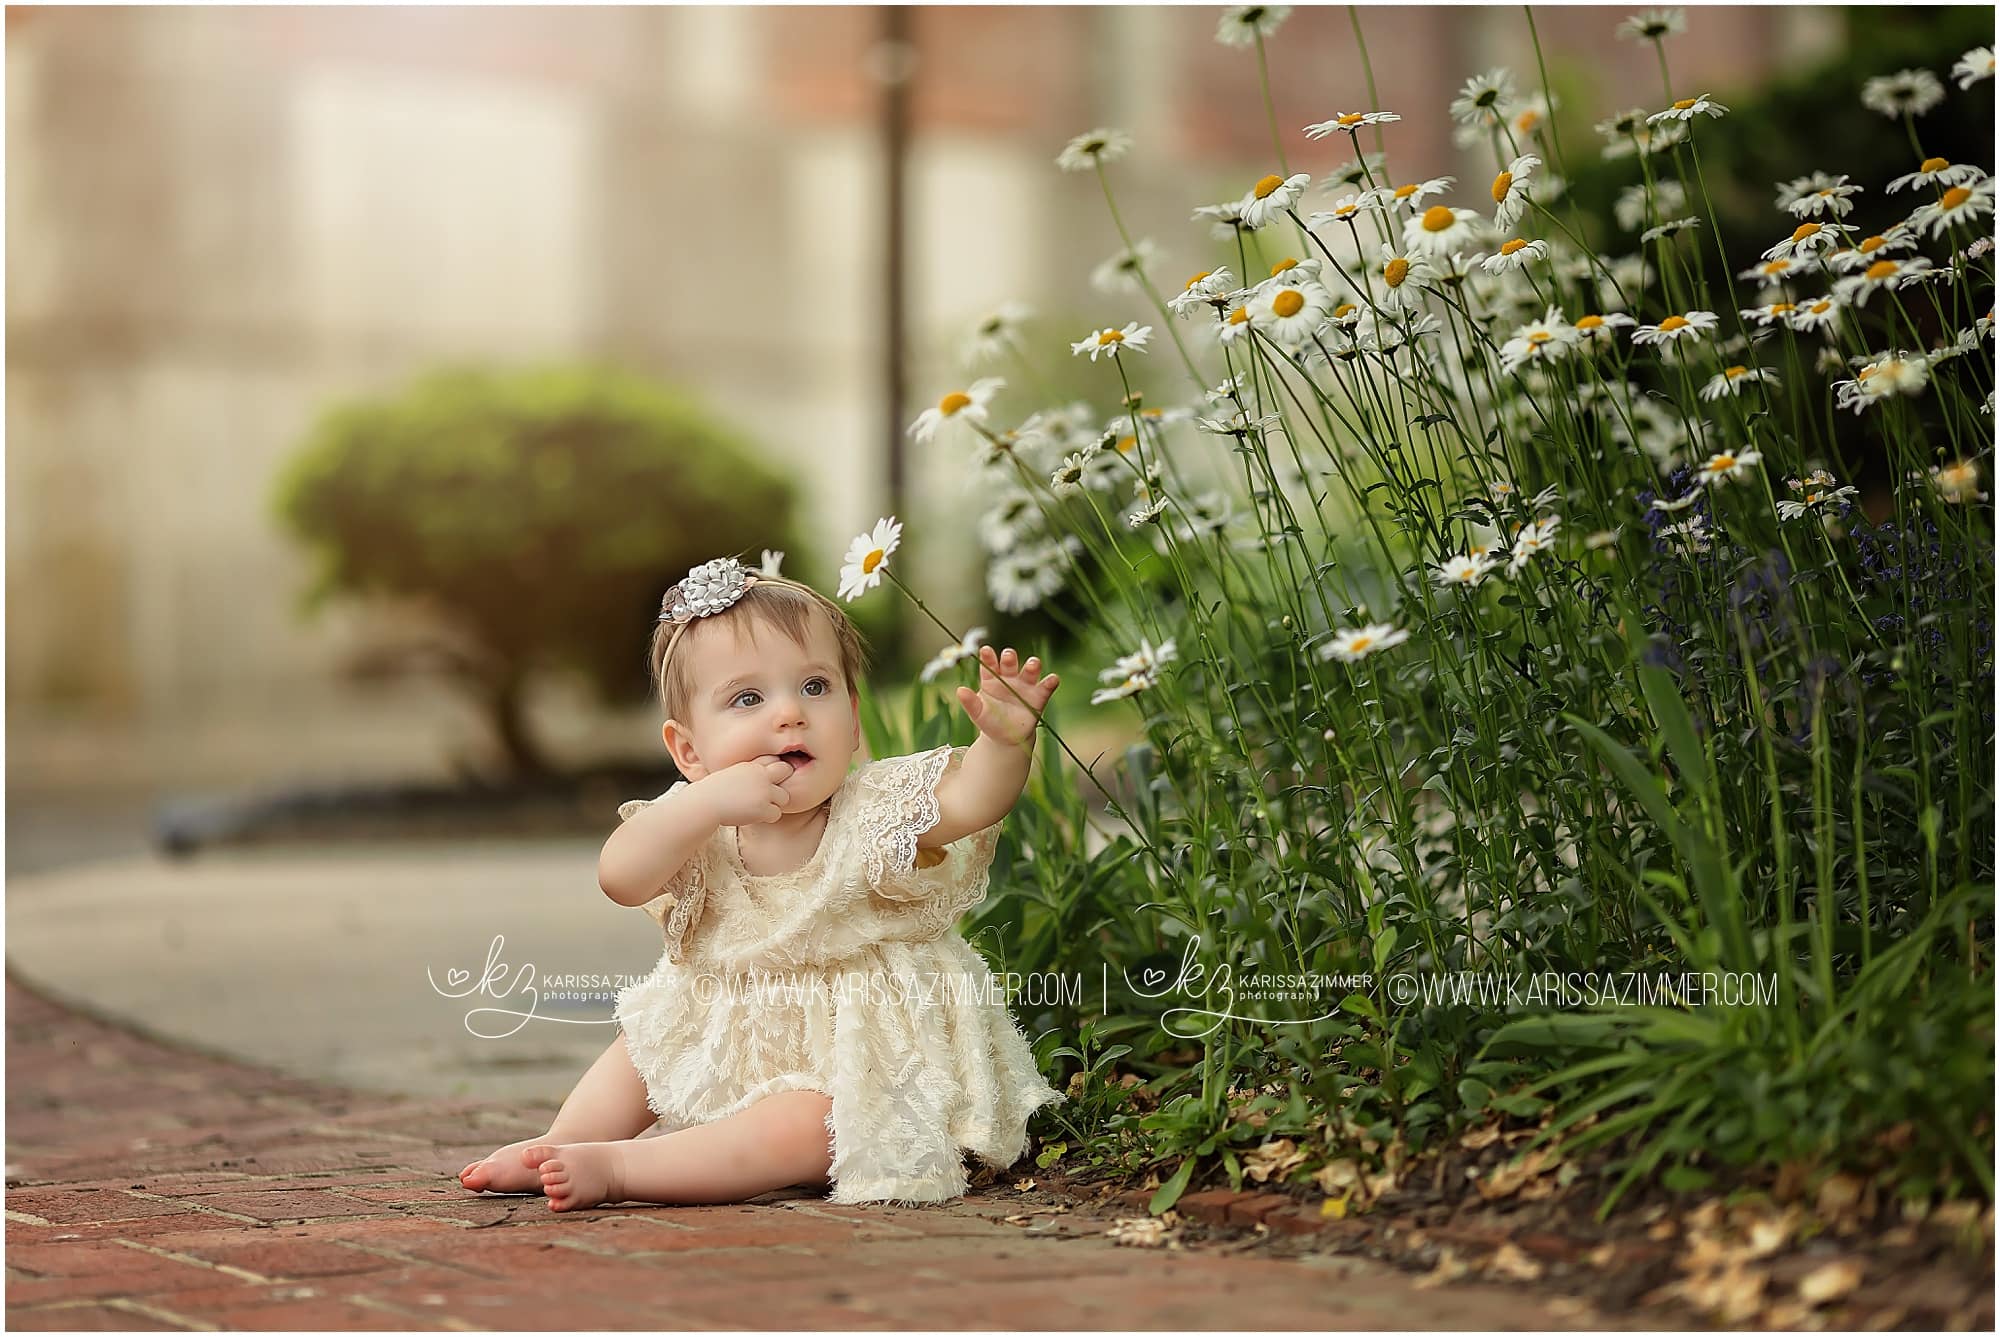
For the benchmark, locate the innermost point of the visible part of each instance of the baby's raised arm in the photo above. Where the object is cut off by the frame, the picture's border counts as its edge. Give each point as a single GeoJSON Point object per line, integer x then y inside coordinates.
{"type": "Point", "coordinates": [650, 848]}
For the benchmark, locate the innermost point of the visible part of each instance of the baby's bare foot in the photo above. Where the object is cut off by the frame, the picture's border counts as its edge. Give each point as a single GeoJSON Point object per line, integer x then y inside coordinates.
{"type": "Point", "coordinates": [505, 1171]}
{"type": "Point", "coordinates": [578, 1174]}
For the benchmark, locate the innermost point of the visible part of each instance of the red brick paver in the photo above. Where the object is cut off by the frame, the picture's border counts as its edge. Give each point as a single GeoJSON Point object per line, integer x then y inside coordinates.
{"type": "Point", "coordinates": [153, 1188]}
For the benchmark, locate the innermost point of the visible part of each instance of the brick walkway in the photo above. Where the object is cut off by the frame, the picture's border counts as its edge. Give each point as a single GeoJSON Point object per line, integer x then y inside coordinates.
{"type": "Point", "coordinates": [148, 1187]}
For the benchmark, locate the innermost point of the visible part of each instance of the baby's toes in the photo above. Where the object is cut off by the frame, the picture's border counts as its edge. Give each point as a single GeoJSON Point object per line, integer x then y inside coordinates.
{"type": "Point", "coordinates": [533, 1156]}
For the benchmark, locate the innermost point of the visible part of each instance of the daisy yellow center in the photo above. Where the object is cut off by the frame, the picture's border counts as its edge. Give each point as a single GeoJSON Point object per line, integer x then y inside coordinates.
{"type": "Point", "coordinates": [1513, 246]}
{"type": "Point", "coordinates": [1776, 266]}
{"type": "Point", "coordinates": [1933, 165]}
{"type": "Point", "coordinates": [1288, 303]}
{"type": "Point", "coordinates": [1590, 322]}
{"type": "Point", "coordinates": [1343, 310]}
{"type": "Point", "coordinates": [1262, 190]}
{"type": "Point", "coordinates": [1684, 103]}
{"type": "Point", "coordinates": [1360, 643]}
{"type": "Point", "coordinates": [1283, 265]}
{"type": "Point", "coordinates": [1437, 218]}
{"type": "Point", "coordinates": [1674, 323]}
{"type": "Point", "coordinates": [1404, 192]}
{"type": "Point", "coordinates": [1395, 272]}
{"type": "Point", "coordinates": [1468, 571]}
{"type": "Point", "coordinates": [1540, 337]}
{"type": "Point", "coordinates": [1872, 245]}
{"type": "Point", "coordinates": [1238, 316]}
{"type": "Point", "coordinates": [1198, 278]}
{"type": "Point", "coordinates": [1954, 197]}
{"type": "Point", "coordinates": [1821, 308]}
{"type": "Point", "coordinates": [1733, 372]}
{"type": "Point", "coordinates": [1353, 118]}
{"type": "Point", "coordinates": [953, 402]}
{"type": "Point", "coordinates": [1866, 372]}
{"type": "Point", "coordinates": [1126, 445]}
{"type": "Point", "coordinates": [1109, 337]}
{"type": "Point", "coordinates": [1721, 463]}
{"type": "Point", "coordinates": [1501, 185]}
{"type": "Point", "coordinates": [1152, 413]}
{"type": "Point", "coordinates": [1812, 498]}
{"type": "Point", "coordinates": [1527, 121]}
{"type": "Point", "coordinates": [1881, 269]}
{"type": "Point", "coordinates": [1804, 230]}
{"type": "Point", "coordinates": [871, 561]}
{"type": "Point", "coordinates": [1782, 308]}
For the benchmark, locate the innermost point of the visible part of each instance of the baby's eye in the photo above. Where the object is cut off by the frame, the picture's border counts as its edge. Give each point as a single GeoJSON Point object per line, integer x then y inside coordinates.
{"type": "Point", "coordinates": [824, 686]}
{"type": "Point", "coordinates": [740, 696]}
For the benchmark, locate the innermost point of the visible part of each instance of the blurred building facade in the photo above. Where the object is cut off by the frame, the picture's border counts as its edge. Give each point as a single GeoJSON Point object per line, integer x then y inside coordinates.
{"type": "Point", "coordinates": [221, 220]}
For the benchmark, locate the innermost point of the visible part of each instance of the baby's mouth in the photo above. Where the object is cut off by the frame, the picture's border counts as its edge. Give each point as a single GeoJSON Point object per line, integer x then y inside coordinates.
{"type": "Point", "coordinates": [798, 757]}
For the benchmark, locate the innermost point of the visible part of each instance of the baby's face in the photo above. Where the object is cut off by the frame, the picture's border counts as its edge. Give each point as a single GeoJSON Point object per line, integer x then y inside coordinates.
{"type": "Point", "coordinates": [756, 693]}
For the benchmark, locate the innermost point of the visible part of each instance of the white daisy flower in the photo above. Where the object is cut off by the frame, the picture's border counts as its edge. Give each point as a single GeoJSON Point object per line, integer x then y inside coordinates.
{"type": "Point", "coordinates": [1484, 99]}
{"type": "Point", "coordinates": [1271, 198]}
{"type": "Point", "coordinates": [1356, 643]}
{"type": "Point", "coordinates": [1211, 285]}
{"type": "Point", "coordinates": [1600, 538]}
{"type": "Point", "coordinates": [1111, 342]}
{"type": "Point", "coordinates": [1958, 482]}
{"type": "Point", "coordinates": [1815, 494]}
{"type": "Point", "coordinates": [1629, 132]}
{"type": "Point", "coordinates": [963, 409]}
{"type": "Point", "coordinates": [1510, 191]}
{"type": "Point", "coordinates": [1355, 173]}
{"type": "Point", "coordinates": [768, 566]}
{"type": "Point", "coordinates": [1531, 538]}
{"type": "Point", "coordinates": [1289, 313]}
{"type": "Point", "coordinates": [1463, 572]}
{"type": "Point", "coordinates": [1938, 172]}
{"type": "Point", "coordinates": [1810, 196]}
{"type": "Point", "coordinates": [1687, 108]}
{"type": "Point", "coordinates": [1089, 150]}
{"type": "Point", "coordinates": [1730, 381]}
{"type": "Point", "coordinates": [1012, 518]}
{"type": "Point", "coordinates": [1959, 205]}
{"type": "Point", "coordinates": [1725, 465]}
{"type": "Point", "coordinates": [1441, 229]}
{"type": "Point", "coordinates": [1350, 121]}
{"type": "Point", "coordinates": [1226, 219]}
{"type": "Point", "coordinates": [1146, 514]}
{"type": "Point", "coordinates": [1601, 331]}
{"type": "Point", "coordinates": [1806, 238]}
{"type": "Point", "coordinates": [1067, 480]}
{"type": "Point", "coordinates": [1778, 270]}
{"type": "Point", "coordinates": [1346, 209]}
{"type": "Point", "coordinates": [1131, 686]}
{"type": "Point", "coordinates": [1540, 341]}
{"type": "Point", "coordinates": [1148, 659]}
{"type": "Point", "coordinates": [997, 334]}
{"type": "Point", "coordinates": [1654, 24]}
{"type": "Point", "coordinates": [867, 557]}
{"type": "Point", "coordinates": [1687, 536]}
{"type": "Point", "coordinates": [1514, 255]}
{"type": "Point", "coordinates": [1125, 270]}
{"type": "Point", "coordinates": [1403, 278]}
{"type": "Point", "coordinates": [1904, 93]}
{"type": "Point", "coordinates": [1234, 326]}
{"type": "Point", "coordinates": [1692, 325]}
{"type": "Point", "coordinates": [1816, 314]}
{"type": "Point", "coordinates": [1973, 66]}
{"type": "Point", "coordinates": [1888, 375]}
{"type": "Point", "coordinates": [1242, 25]}
{"type": "Point", "coordinates": [1672, 227]}
{"type": "Point", "coordinates": [1208, 513]}
{"type": "Point", "coordinates": [1528, 119]}
{"type": "Point", "coordinates": [1022, 579]}
{"type": "Point", "coordinates": [1413, 193]}
{"type": "Point", "coordinates": [1883, 273]}
{"type": "Point", "coordinates": [953, 655]}
{"type": "Point", "coordinates": [1868, 250]}
{"type": "Point", "coordinates": [1240, 424]}
{"type": "Point", "coordinates": [1636, 203]}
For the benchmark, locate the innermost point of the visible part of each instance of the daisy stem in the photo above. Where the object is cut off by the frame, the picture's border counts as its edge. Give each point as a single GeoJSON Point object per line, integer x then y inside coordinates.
{"type": "Point", "coordinates": [1117, 221]}
{"type": "Point", "coordinates": [1368, 75]}
{"type": "Point", "coordinates": [1666, 83]}
{"type": "Point", "coordinates": [1270, 112]}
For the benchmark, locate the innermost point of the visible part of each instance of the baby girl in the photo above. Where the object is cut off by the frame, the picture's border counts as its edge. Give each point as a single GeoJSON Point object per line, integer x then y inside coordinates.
{"type": "Point", "coordinates": [815, 1019]}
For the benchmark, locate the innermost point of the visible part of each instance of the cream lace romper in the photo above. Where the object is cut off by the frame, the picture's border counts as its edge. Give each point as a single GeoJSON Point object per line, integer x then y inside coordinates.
{"type": "Point", "coordinates": [846, 977]}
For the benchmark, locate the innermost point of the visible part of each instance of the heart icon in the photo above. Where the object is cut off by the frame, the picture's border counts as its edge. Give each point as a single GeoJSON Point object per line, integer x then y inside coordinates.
{"type": "Point", "coordinates": [1152, 975]}
{"type": "Point", "coordinates": [457, 977]}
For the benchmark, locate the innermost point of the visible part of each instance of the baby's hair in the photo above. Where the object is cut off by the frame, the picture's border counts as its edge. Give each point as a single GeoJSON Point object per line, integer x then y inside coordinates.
{"type": "Point", "coordinates": [786, 605]}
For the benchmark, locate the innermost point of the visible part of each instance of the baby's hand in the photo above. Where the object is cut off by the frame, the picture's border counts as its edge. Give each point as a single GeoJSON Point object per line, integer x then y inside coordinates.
{"type": "Point", "coordinates": [748, 793]}
{"type": "Point", "coordinates": [1010, 696]}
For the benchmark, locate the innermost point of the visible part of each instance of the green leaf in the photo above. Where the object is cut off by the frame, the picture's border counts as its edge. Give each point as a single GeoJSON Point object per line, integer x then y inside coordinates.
{"type": "Point", "coordinates": [1169, 1193]}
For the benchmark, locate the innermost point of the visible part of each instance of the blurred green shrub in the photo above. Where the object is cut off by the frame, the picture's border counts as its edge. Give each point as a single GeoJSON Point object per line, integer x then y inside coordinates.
{"type": "Point", "coordinates": [537, 514]}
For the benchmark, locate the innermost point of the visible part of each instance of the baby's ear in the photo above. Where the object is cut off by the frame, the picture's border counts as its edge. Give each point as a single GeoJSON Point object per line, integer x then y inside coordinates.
{"type": "Point", "coordinates": [681, 748]}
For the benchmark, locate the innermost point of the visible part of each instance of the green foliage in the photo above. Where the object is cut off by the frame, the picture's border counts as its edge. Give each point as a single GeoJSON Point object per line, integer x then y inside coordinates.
{"type": "Point", "coordinates": [537, 514]}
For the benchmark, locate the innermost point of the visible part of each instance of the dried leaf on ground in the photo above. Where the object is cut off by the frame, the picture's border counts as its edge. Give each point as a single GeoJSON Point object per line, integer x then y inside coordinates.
{"type": "Point", "coordinates": [1273, 1160]}
{"type": "Point", "coordinates": [1448, 1269]}
{"type": "Point", "coordinates": [1139, 1232]}
{"type": "Point", "coordinates": [1510, 1263]}
{"type": "Point", "coordinates": [1830, 1281]}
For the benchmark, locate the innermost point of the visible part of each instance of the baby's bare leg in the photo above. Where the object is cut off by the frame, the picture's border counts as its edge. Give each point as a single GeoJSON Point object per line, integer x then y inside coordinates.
{"type": "Point", "coordinates": [780, 1141]}
{"type": "Point", "coordinates": [608, 1105]}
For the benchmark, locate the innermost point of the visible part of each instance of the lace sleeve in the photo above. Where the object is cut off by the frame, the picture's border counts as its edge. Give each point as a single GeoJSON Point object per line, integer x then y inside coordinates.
{"type": "Point", "coordinates": [901, 804]}
{"type": "Point", "coordinates": [677, 909]}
